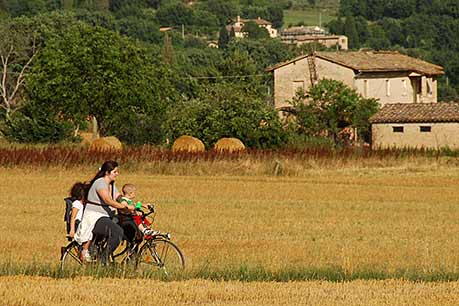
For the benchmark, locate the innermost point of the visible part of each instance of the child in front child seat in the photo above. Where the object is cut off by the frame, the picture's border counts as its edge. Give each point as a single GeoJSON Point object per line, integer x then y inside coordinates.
{"type": "Point", "coordinates": [129, 195]}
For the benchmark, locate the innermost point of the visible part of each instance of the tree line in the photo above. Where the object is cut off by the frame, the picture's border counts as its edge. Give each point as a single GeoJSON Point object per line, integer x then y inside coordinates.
{"type": "Point", "coordinates": [74, 59]}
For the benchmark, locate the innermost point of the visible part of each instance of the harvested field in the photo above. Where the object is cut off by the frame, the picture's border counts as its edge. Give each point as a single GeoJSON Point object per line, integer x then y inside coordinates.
{"type": "Point", "coordinates": [379, 221]}
{"type": "Point", "coordinates": [340, 235]}
{"type": "Point", "coordinates": [89, 291]}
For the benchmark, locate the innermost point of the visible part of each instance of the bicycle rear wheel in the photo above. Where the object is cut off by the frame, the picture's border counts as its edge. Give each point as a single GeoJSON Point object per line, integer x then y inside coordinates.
{"type": "Point", "coordinates": [70, 257]}
{"type": "Point", "coordinates": [160, 254]}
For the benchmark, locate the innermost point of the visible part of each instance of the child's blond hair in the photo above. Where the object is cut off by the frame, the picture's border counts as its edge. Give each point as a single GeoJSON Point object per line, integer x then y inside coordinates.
{"type": "Point", "coordinates": [127, 188]}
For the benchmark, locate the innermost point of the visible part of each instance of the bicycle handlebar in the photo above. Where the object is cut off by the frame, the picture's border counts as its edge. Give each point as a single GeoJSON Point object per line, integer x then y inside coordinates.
{"type": "Point", "coordinates": [151, 208]}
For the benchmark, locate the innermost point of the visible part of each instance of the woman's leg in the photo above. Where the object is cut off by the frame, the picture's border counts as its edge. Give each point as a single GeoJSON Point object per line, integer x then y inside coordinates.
{"type": "Point", "coordinates": [107, 228]}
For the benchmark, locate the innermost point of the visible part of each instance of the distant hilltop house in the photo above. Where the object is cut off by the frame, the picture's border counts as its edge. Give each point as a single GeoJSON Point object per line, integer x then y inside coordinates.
{"type": "Point", "coordinates": [239, 24]}
{"type": "Point", "coordinates": [388, 76]}
{"type": "Point", "coordinates": [313, 34]}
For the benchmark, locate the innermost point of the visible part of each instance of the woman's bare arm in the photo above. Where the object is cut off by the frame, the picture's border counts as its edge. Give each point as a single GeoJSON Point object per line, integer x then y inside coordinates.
{"type": "Point", "coordinates": [103, 193]}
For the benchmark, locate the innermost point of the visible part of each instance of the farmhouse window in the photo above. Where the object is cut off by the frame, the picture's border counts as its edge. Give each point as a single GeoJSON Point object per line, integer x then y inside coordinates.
{"type": "Point", "coordinates": [397, 129]}
{"type": "Point", "coordinates": [388, 88]}
{"type": "Point", "coordinates": [404, 91]}
{"type": "Point", "coordinates": [425, 128]}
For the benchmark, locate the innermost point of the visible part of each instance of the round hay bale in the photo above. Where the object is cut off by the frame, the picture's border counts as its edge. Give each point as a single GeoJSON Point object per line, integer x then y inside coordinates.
{"type": "Point", "coordinates": [188, 144]}
{"type": "Point", "coordinates": [86, 138]}
{"type": "Point", "coordinates": [110, 143]}
{"type": "Point", "coordinates": [229, 145]}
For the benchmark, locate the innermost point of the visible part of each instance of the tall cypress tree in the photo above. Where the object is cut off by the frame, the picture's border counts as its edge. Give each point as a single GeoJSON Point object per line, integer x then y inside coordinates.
{"type": "Point", "coordinates": [232, 33]}
{"type": "Point", "coordinates": [350, 30]}
{"type": "Point", "coordinates": [223, 38]}
{"type": "Point", "coordinates": [102, 5]}
{"type": "Point", "coordinates": [168, 50]}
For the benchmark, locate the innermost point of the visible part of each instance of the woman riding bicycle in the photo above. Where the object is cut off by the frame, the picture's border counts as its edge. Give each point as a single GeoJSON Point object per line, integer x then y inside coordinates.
{"type": "Point", "coordinates": [100, 205]}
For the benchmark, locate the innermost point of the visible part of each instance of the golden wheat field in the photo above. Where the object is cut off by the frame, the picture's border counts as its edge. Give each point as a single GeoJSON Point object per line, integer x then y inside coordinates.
{"type": "Point", "coordinates": [397, 222]}
{"type": "Point", "coordinates": [40, 291]}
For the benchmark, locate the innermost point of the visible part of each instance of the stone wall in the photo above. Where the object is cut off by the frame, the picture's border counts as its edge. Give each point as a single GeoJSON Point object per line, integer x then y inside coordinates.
{"type": "Point", "coordinates": [440, 135]}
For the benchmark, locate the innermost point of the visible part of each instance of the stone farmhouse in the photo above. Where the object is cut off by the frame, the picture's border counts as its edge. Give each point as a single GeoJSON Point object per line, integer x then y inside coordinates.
{"type": "Point", "coordinates": [390, 77]}
{"type": "Point", "coordinates": [239, 24]}
{"type": "Point", "coordinates": [313, 34]}
{"type": "Point", "coordinates": [406, 88]}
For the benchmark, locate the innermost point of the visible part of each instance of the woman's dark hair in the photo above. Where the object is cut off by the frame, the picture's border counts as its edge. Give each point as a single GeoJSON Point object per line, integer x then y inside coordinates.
{"type": "Point", "coordinates": [107, 166]}
{"type": "Point", "coordinates": [78, 191]}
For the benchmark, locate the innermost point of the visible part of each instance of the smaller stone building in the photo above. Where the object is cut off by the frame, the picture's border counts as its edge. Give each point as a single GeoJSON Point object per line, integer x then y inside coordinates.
{"type": "Point", "coordinates": [313, 34]}
{"type": "Point", "coordinates": [416, 125]}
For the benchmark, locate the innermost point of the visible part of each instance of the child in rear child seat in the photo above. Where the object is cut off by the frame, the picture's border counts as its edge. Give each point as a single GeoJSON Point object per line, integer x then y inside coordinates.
{"type": "Point", "coordinates": [129, 194]}
{"type": "Point", "coordinates": [77, 195]}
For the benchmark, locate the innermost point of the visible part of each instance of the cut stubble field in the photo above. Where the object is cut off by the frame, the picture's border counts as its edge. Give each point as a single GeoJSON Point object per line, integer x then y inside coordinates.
{"type": "Point", "coordinates": [349, 225]}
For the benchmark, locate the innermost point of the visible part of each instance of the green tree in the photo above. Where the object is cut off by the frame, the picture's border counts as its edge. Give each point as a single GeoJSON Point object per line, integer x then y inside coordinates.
{"type": "Point", "coordinates": [232, 33]}
{"type": "Point", "coordinates": [393, 31]}
{"type": "Point", "coordinates": [225, 110]}
{"type": "Point", "coordinates": [3, 10]}
{"type": "Point", "coordinates": [353, 7]}
{"type": "Point", "coordinates": [361, 25]}
{"type": "Point", "coordinates": [263, 52]}
{"type": "Point", "coordinates": [174, 14]}
{"type": "Point", "coordinates": [168, 50]}
{"type": "Point", "coordinates": [223, 38]}
{"type": "Point", "coordinates": [400, 8]}
{"type": "Point", "coordinates": [254, 31]}
{"type": "Point", "coordinates": [96, 18]}
{"type": "Point", "coordinates": [330, 107]}
{"type": "Point", "coordinates": [205, 21]}
{"type": "Point", "coordinates": [350, 30]}
{"type": "Point", "coordinates": [336, 26]}
{"type": "Point", "coordinates": [378, 39]}
{"type": "Point", "coordinates": [223, 9]}
{"type": "Point", "coordinates": [253, 12]}
{"type": "Point", "coordinates": [145, 29]}
{"type": "Point", "coordinates": [237, 63]}
{"type": "Point", "coordinates": [376, 9]}
{"type": "Point", "coordinates": [25, 7]}
{"type": "Point", "coordinates": [276, 16]}
{"type": "Point", "coordinates": [37, 123]}
{"type": "Point", "coordinates": [91, 71]}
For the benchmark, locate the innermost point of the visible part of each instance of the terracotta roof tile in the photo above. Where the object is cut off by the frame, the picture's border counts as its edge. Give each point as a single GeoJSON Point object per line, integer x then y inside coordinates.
{"type": "Point", "coordinates": [371, 61]}
{"type": "Point", "coordinates": [417, 112]}
{"type": "Point", "coordinates": [258, 21]}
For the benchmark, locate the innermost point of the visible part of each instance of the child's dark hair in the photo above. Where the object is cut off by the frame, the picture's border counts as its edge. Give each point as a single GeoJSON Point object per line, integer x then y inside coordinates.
{"type": "Point", "coordinates": [78, 190]}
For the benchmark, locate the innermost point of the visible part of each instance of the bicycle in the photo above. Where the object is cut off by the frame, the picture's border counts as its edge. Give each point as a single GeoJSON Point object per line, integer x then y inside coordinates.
{"type": "Point", "coordinates": [150, 253]}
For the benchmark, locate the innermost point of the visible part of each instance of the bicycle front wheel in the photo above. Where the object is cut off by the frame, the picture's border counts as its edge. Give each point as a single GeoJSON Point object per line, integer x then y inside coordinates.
{"type": "Point", "coordinates": [161, 254]}
{"type": "Point", "coordinates": [70, 257]}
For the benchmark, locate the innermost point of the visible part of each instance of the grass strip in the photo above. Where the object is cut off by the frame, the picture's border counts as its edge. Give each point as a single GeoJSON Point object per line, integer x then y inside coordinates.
{"type": "Point", "coordinates": [242, 273]}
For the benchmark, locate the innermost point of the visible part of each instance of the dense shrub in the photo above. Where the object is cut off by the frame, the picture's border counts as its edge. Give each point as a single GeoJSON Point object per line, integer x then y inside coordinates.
{"type": "Point", "coordinates": [36, 126]}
